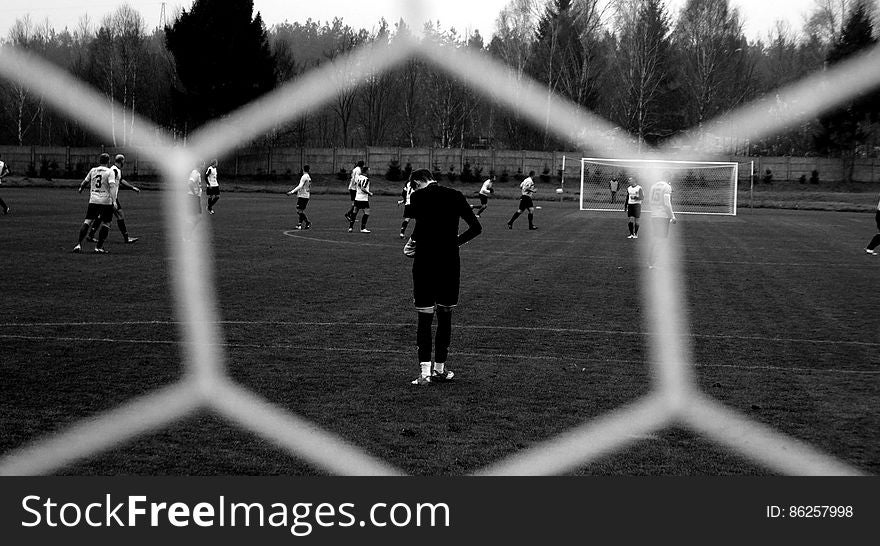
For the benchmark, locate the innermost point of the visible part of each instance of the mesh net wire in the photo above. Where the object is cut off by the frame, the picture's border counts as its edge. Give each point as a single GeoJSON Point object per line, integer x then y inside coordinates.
{"type": "Point", "coordinates": [674, 400]}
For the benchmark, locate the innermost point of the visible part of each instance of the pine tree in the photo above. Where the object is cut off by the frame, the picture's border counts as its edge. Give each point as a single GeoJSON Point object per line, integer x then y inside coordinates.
{"type": "Point", "coordinates": [848, 127]}
{"type": "Point", "coordinates": [222, 57]}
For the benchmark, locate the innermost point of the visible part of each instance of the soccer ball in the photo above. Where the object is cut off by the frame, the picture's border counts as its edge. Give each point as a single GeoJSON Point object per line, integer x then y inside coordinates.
{"type": "Point", "coordinates": [558, 190]}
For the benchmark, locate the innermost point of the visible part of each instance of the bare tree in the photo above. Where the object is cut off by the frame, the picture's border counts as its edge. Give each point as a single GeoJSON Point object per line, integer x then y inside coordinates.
{"type": "Point", "coordinates": [345, 39]}
{"type": "Point", "coordinates": [714, 68]}
{"type": "Point", "coordinates": [25, 108]}
{"type": "Point", "coordinates": [512, 44]}
{"type": "Point", "coordinates": [641, 63]}
{"type": "Point", "coordinates": [375, 97]}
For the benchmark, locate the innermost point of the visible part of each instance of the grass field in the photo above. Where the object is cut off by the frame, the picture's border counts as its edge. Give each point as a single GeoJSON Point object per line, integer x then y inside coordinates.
{"type": "Point", "coordinates": [549, 334]}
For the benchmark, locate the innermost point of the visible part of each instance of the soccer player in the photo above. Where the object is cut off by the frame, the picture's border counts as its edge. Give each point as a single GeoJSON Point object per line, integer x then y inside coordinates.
{"type": "Point", "coordinates": [361, 202]}
{"type": "Point", "coordinates": [4, 170]}
{"type": "Point", "coordinates": [194, 193]}
{"type": "Point", "coordinates": [633, 207]}
{"type": "Point", "coordinates": [406, 195]}
{"type": "Point", "coordinates": [118, 164]}
{"type": "Point", "coordinates": [525, 202]}
{"type": "Point", "coordinates": [875, 240]}
{"type": "Point", "coordinates": [104, 186]}
{"type": "Point", "coordinates": [213, 186]}
{"type": "Point", "coordinates": [614, 185]}
{"type": "Point", "coordinates": [436, 269]}
{"type": "Point", "coordinates": [303, 191]}
{"type": "Point", "coordinates": [352, 190]}
{"type": "Point", "coordinates": [485, 191]}
{"type": "Point", "coordinates": [662, 215]}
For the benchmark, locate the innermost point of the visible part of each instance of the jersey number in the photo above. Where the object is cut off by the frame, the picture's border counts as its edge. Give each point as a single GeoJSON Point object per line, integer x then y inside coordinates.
{"type": "Point", "coordinates": [657, 196]}
{"type": "Point", "coordinates": [97, 181]}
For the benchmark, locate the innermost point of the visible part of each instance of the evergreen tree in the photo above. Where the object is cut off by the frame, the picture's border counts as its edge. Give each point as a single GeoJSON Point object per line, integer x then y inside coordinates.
{"type": "Point", "coordinates": [222, 57]}
{"type": "Point", "coordinates": [848, 127]}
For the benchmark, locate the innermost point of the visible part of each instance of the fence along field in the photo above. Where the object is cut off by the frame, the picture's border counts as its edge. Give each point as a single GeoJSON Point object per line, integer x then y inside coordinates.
{"type": "Point", "coordinates": [673, 399]}
{"type": "Point", "coordinates": [74, 162]}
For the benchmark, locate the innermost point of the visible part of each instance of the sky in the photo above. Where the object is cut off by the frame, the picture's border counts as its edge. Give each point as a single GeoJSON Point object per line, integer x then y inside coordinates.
{"type": "Point", "coordinates": [464, 15]}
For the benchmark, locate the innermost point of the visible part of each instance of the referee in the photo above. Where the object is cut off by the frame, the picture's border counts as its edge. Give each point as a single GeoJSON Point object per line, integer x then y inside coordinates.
{"type": "Point", "coordinates": [436, 268]}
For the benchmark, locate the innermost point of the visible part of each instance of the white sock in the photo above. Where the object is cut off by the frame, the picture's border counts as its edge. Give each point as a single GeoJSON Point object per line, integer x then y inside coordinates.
{"type": "Point", "coordinates": [439, 367]}
{"type": "Point", "coordinates": [426, 369]}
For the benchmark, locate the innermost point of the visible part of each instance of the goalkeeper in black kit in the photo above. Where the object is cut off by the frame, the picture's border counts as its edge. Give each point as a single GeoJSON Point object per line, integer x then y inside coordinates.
{"type": "Point", "coordinates": [436, 268]}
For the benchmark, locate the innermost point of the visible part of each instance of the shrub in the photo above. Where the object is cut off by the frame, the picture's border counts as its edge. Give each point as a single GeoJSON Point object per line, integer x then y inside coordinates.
{"type": "Point", "coordinates": [545, 176]}
{"type": "Point", "coordinates": [814, 177]}
{"type": "Point", "coordinates": [342, 174]}
{"type": "Point", "coordinates": [394, 174]}
{"type": "Point", "coordinates": [467, 175]}
{"type": "Point", "coordinates": [451, 174]}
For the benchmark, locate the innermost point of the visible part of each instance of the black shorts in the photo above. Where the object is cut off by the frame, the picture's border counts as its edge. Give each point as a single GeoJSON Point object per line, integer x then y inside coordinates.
{"type": "Point", "coordinates": [102, 212]}
{"type": "Point", "coordinates": [359, 205]}
{"type": "Point", "coordinates": [407, 211]}
{"type": "Point", "coordinates": [352, 193]}
{"type": "Point", "coordinates": [525, 202]}
{"type": "Point", "coordinates": [212, 190]}
{"type": "Point", "coordinates": [484, 199]}
{"type": "Point", "coordinates": [302, 203]}
{"type": "Point", "coordinates": [634, 210]}
{"type": "Point", "coordinates": [197, 203]}
{"type": "Point", "coordinates": [661, 226]}
{"type": "Point", "coordinates": [436, 282]}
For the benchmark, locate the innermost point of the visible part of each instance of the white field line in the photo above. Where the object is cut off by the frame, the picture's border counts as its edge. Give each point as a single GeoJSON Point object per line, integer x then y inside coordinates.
{"type": "Point", "coordinates": [484, 357]}
{"type": "Point", "coordinates": [585, 331]}
{"type": "Point", "coordinates": [296, 234]}
{"type": "Point", "coordinates": [92, 435]}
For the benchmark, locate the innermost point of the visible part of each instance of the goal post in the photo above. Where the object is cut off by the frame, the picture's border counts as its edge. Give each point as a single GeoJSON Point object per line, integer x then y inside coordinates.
{"type": "Point", "coordinates": [699, 187]}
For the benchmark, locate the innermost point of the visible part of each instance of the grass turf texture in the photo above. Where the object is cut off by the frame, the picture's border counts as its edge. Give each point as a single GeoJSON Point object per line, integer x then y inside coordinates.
{"type": "Point", "coordinates": [550, 333]}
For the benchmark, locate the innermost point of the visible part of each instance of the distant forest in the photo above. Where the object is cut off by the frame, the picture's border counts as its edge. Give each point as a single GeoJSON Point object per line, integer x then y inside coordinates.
{"type": "Point", "coordinates": [652, 72]}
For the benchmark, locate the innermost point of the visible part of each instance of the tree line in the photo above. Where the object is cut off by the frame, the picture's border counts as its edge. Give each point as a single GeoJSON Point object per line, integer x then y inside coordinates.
{"type": "Point", "coordinates": [653, 72]}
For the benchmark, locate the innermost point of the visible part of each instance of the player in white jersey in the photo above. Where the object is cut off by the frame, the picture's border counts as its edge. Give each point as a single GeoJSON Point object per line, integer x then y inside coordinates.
{"type": "Point", "coordinates": [875, 240]}
{"type": "Point", "coordinates": [4, 170]}
{"type": "Point", "coordinates": [303, 193]}
{"type": "Point", "coordinates": [485, 191]}
{"type": "Point", "coordinates": [633, 207]}
{"type": "Point", "coordinates": [527, 188]}
{"type": "Point", "coordinates": [361, 202]}
{"type": "Point", "coordinates": [352, 189]}
{"type": "Point", "coordinates": [662, 215]}
{"type": "Point", "coordinates": [406, 195]}
{"type": "Point", "coordinates": [118, 164]}
{"type": "Point", "coordinates": [212, 186]}
{"type": "Point", "coordinates": [103, 188]}
{"type": "Point", "coordinates": [194, 194]}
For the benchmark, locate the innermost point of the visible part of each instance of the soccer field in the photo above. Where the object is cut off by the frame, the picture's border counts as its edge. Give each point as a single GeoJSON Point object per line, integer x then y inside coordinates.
{"type": "Point", "coordinates": [550, 333]}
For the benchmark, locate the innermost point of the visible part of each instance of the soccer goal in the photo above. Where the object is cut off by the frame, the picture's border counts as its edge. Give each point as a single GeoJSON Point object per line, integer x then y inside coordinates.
{"type": "Point", "coordinates": [699, 187]}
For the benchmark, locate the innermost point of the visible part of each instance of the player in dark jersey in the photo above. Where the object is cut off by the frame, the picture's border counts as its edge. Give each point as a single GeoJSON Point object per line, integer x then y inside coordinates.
{"type": "Point", "coordinates": [436, 268]}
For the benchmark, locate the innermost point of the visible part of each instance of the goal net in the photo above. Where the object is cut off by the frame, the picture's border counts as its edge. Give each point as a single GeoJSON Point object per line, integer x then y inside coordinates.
{"type": "Point", "coordinates": [699, 187]}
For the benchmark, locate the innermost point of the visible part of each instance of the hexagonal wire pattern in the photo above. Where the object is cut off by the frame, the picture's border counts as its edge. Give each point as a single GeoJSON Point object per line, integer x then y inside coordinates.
{"type": "Point", "coordinates": [674, 400]}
